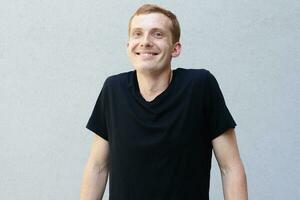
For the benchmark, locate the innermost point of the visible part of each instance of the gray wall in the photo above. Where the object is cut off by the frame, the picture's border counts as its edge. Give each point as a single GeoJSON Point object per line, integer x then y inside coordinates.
{"type": "Point", "coordinates": [55, 55]}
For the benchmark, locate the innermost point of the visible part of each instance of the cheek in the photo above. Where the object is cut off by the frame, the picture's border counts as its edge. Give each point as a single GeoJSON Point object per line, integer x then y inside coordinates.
{"type": "Point", "coordinates": [167, 50]}
{"type": "Point", "coordinates": [131, 46]}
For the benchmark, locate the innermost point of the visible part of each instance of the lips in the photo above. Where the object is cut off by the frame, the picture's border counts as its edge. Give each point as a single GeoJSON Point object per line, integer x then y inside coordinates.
{"type": "Point", "coordinates": [146, 53]}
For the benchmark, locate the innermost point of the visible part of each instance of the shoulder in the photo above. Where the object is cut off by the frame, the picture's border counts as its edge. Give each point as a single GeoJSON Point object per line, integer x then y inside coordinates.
{"type": "Point", "coordinates": [194, 72]}
{"type": "Point", "coordinates": [198, 75]}
{"type": "Point", "coordinates": [116, 79]}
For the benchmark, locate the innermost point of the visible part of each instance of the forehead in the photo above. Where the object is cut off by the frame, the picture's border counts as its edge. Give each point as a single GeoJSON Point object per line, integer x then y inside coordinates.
{"type": "Point", "coordinates": [152, 20]}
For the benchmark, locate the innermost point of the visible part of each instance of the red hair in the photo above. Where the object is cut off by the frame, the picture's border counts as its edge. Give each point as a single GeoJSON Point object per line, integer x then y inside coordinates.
{"type": "Point", "coordinates": [150, 8]}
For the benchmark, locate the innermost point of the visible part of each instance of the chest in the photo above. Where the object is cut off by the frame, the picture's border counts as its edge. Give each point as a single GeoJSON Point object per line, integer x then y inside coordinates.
{"type": "Point", "coordinates": [168, 126]}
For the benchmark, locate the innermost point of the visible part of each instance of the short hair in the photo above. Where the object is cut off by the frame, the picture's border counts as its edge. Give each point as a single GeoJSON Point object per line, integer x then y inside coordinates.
{"type": "Point", "coordinates": [150, 8]}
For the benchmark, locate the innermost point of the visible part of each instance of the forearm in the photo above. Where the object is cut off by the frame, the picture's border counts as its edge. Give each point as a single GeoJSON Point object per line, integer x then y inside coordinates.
{"type": "Point", "coordinates": [234, 183]}
{"type": "Point", "coordinates": [93, 183]}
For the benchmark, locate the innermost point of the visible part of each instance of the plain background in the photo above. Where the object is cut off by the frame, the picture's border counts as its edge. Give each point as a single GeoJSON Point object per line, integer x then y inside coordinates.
{"type": "Point", "coordinates": [55, 55]}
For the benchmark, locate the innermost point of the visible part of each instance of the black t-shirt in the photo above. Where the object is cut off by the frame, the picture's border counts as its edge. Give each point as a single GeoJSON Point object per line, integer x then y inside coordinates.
{"type": "Point", "coordinates": [160, 150]}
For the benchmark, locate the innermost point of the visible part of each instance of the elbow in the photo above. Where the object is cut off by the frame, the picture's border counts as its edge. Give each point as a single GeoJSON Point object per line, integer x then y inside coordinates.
{"type": "Point", "coordinates": [102, 168]}
{"type": "Point", "coordinates": [236, 169]}
{"type": "Point", "coordinates": [234, 182]}
{"type": "Point", "coordinates": [97, 168]}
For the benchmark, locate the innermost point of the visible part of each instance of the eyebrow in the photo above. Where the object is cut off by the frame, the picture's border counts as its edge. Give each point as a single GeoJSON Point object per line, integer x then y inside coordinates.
{"type": "Point", "coordinates": [158, 29]}
{"type": "Point", "coordinates": [132, 30]}
{"type": "Point", "coordinates": [135, 29]}
{"type": "Point", "coordinates": [154, 29]}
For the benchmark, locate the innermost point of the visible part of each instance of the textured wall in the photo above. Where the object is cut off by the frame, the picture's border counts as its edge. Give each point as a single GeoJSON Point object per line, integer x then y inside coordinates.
{"type": "Point", "coordinates": [55, 55]}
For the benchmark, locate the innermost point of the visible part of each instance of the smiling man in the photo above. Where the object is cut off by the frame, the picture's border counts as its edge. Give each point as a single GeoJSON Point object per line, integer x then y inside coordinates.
{"type": "Point", "coordinates": [156, 128]}
{"type": "Point", "coordinates": [151, 47]}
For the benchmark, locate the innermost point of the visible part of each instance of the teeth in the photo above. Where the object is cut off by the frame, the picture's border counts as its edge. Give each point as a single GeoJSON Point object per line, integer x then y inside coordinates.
{"type": "Point", "coordinates": [147, 54]}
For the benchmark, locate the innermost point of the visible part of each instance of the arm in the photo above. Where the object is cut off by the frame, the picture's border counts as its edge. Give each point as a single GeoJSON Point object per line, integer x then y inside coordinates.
{"type": "Point", "coordinates": [96, 171]}
{"type": "Point", "coordinates": [232, 170]}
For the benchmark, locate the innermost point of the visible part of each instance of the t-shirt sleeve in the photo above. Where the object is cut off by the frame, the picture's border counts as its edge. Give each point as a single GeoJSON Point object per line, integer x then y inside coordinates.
{"type": "Point", "coordinates": [218, 116]}
{"type": "Point", "coordinates": [97, 121]}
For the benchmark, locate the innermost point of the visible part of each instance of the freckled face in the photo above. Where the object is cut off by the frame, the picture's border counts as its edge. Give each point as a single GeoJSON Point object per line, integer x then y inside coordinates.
{"type": "Point", "coordinates": [150, 46]}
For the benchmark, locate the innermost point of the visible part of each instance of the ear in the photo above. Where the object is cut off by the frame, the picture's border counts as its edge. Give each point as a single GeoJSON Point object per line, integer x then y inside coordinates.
{"type": "Point", "coordinates": [176, 50]}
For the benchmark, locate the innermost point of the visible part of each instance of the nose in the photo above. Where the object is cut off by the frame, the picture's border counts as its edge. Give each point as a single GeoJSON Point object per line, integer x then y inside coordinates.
{"type": "Point", "coordinates": [146, 42]}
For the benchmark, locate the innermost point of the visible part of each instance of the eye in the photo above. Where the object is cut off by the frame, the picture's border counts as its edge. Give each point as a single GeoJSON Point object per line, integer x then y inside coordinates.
{"type": "Point", "coordinates": [136, 34]}
{"type": "Point", "coordinates": [157, 34]}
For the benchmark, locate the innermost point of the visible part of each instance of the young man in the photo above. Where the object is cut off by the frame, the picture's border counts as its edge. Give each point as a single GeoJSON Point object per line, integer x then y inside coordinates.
{"type": "Point", "coordinates": [155, 128]}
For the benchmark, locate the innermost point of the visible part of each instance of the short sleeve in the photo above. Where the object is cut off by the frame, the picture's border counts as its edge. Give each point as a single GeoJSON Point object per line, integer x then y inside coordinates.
{"type": "Point", "coordinates": [97, 121]}
{"type": "Point", "coordinates": [217, 114]}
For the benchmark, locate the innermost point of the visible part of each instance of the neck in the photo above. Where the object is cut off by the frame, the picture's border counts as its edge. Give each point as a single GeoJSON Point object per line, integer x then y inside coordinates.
{"type": "Point", "coordinates": [152, 84]}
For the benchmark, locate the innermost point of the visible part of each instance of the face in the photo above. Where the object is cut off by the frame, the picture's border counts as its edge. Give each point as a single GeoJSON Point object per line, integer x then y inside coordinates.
{"type": "Point", "coordinates": [150, 46]}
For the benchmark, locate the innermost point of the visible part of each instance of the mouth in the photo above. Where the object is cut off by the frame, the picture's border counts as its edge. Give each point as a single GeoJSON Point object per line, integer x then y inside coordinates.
{"type": "Point", "coordinates": [146, 53]}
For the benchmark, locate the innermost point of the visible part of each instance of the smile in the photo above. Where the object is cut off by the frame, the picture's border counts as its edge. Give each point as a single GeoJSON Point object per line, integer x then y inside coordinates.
{"type": "Point", "coordinates": [146, 53]}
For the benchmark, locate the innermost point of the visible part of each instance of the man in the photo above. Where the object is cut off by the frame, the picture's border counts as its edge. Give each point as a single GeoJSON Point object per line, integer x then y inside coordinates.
{"type": "Point", "coordinates": [155, 128]}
